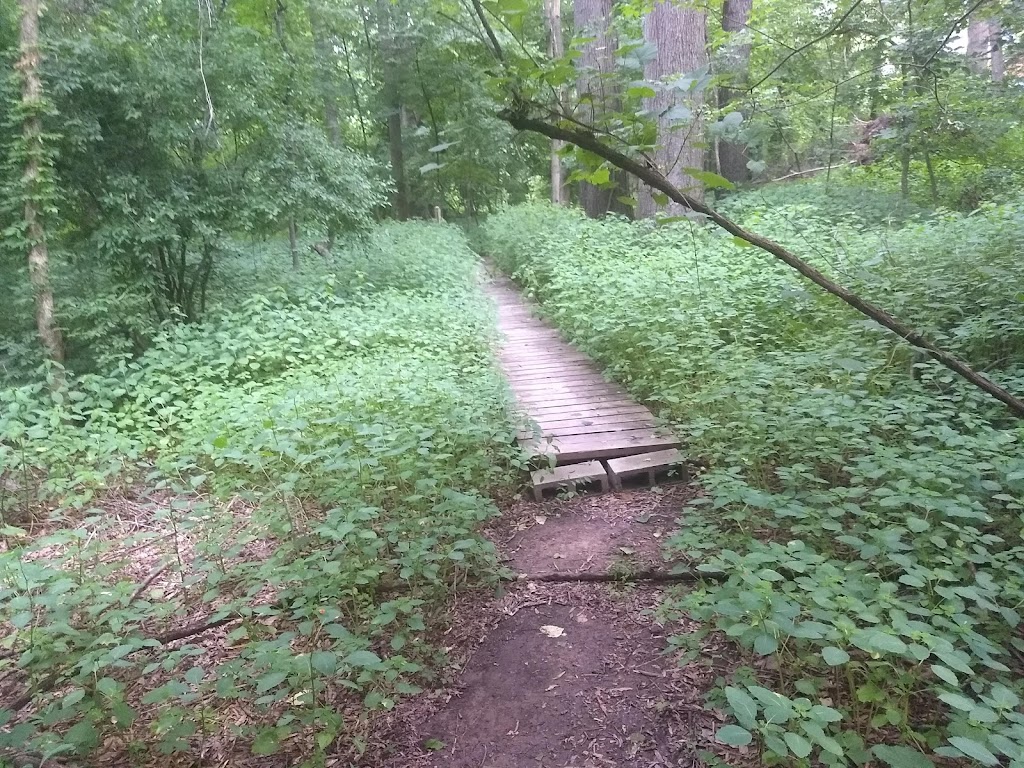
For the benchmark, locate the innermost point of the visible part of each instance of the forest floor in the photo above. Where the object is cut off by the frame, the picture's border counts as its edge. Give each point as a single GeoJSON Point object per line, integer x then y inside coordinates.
{"type": "Point", "coordinates": [551, 674]}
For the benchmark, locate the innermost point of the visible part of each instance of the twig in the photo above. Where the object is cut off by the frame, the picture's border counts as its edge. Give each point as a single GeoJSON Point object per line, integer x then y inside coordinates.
{"type": "Point", "coordinates": [807, 45]}
{"type": "Point", "coordinates": [953, 30]}
{"type": "Point", "coordinates": [614, 578]}
{"type": "Point", "coordinates": [498, 53]}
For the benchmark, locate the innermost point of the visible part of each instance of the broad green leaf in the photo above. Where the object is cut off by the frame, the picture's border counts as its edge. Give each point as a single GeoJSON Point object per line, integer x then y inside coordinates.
{"type": "Point", "coordinates": [834, 656]}
{"type": "Point", "coordinates": [958, 701]}
{"type": "Point", "coordinates": [974, 750]}
{"type": "Point", "coordinates": [362, 659]}
{"type": "Point", "coordinates": [765, 644]}
{"type": "Point", "coordinates": [945, 674]}
{"type": "Point", "coordinates": [797, 744]}
{"type": "Point", "coordinates": [734, 736]}
{"type": "Point", "coordinates": [709, 179]}
{"type": "Point", "coordinates": [743, 706]}
{"type": "Point", "coordinates": [324, 662]}
{"type": "Point", "coordinates": [901, 757]}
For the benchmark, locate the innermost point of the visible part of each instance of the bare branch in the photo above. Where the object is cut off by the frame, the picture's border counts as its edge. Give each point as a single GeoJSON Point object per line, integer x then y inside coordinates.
{"type": "Point", "coordinates": [800, 49]}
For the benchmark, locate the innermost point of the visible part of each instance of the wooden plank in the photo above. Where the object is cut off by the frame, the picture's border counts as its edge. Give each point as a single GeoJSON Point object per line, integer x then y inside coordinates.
{"type": "Point", "coordinates": [577, 373]}
{"type": "Point", "coordinates": [588, 472]}
{"type": "Point", "coordinates": [584, 429]}
{"type": "Point", "coordinates": [581, 387]}
{"type": "Point", "coordinates": [556, 419]}
{"type": "Point", "coordinates": [641, 414]}
{"type": "Point", "coordinates": [539, 394]}
{"type": "Point", "coordinates": [542, 366]}
{"type": "Point", "coordinates": [644, 463]}
{"type": "Point", "coordinates": [568, 450]}
{"type": "Point", "coordinates": [575, 402]}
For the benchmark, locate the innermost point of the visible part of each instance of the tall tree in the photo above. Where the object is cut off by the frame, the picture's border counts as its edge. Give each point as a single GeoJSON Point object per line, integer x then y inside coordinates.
{"type": "Point", "coordinates": [556, 49]}
{"type": "Point", "coordinates": [326, 71]}
{"type": "Point", "coordinates": [984, 47]}
{"type": "Point", "coordinates": [731, 153]}
{"type": "Point", "coordinates": [392, 99]}
{"type": "Point", "coordinates": [679, 34]}
{"type": "Point", "coordinates": [33, 181]}
{"type": "Point", "coordinates": [598, 94]}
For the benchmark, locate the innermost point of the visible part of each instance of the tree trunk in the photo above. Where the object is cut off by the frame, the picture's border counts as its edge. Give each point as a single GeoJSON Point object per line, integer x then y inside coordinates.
{"type": "Point", "coordinates": [323, 51]}
{"type": "Point", "coordinates": [984, 48]}
{"type": "Point", "coordinates": [933, 183]}
{"type": "Point", "coordinates": [391, 94]}
{"type": "Point", "coordinates": [293, 242]}
{"type": "Point", "coordinates": [732, 154]}
{"type": "Point", "coordinates": [597, 95]}
{"type": "Point", "coordinates": [556, 50]}
{"type": "Point", "coordinates": [679, 34]}
{"type": "Point", "coordinates": [905, 173]}
{"type": "Point", "coordinates": [32, 134]}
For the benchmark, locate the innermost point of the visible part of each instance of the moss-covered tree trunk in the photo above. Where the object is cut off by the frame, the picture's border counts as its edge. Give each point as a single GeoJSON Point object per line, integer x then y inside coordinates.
{"type": "Point", "coordinates": [32, 136]}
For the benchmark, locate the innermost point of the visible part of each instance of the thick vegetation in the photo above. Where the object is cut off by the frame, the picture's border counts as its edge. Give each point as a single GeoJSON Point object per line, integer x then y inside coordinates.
{"type": "Point", "coordinates": [863, 509]}
{"type": "Point", "coordinates": [248, 430]}
{"type": "Point", "coordinates": [317, 455]}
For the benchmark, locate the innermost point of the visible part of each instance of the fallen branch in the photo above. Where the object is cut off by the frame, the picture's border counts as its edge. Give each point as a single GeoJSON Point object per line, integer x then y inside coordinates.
{"type": "Point", "coordinates": [798, 174]}
{"type": "Point", "coordinates": [653, 575]}
{"type": "Point", "coordinates": [520, 120]}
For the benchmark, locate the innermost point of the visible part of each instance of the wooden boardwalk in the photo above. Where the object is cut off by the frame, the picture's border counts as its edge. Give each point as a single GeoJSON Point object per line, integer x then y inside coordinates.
{"type": "Point", "coordinates": [572, 410]}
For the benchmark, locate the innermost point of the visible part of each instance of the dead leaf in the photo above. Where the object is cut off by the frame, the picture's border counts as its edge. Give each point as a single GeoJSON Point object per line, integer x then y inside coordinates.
{"type": "Point", "coordinates": [540, 519]}
{"type": "Point", "coordinates": [552, 631]}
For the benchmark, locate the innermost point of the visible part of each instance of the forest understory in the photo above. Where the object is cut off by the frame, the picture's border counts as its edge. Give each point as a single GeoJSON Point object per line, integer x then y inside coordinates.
{"type": "Point", "coordinates": [261, 461]}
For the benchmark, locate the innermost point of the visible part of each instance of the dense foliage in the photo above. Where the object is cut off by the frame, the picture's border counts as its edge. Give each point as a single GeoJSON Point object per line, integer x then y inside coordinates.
{"type": "Point", "coordinates": [863, 508]}
{"type": "Point", "coordinates": [316, 458]}
{"type": "Point", "coordinates": [230, 394]}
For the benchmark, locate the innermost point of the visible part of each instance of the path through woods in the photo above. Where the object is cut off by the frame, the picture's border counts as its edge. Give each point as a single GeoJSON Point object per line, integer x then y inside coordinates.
{"type": "Point", "coordinates": [552, 673]}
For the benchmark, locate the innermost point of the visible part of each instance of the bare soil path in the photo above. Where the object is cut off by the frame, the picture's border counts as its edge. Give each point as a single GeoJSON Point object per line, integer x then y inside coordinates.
{"type": "Point", "coordinates": [559, 675]}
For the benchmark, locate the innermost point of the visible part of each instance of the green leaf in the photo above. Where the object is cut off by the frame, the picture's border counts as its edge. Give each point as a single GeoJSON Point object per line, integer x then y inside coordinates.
{"type": "Point", "coordinates": [957, 701]}
{"type": "Point", "coordinates": [709, 179]}
{"type": "Point", "coordinates": [901, 757]}
{"type": "Point", "coordinates": [362, 659]}
{"type": "Point", "coordinates": [324, 662]}
{"type": "Point", "coordinates": [743, 706]}
{"type": "Point", "coordinates": [734, 736]}
{"type": "Point", "coordinates": [765, 644]}
{"type": "Point", "coordinates": [834, 656]}
{"type": "Point", "coordinates": [877, 641]}
{"type": "Point", "coordinates": [945, 674]}
{"type": "Point", "coordinates": [797, 744]}
{"type": "Point", "coordinates": [270, 680]}
{"type": "Point", "coordinates": [83, 735]}
{"type": "Point", "coordinates": [974, 750]}
{"type": "Point", "coordinates": [267, 742]}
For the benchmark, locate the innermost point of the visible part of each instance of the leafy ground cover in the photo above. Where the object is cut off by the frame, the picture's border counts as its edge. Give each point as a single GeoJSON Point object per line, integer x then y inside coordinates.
{"type": "Point", "coordinates": [863, 508]}
{"type": "Point", "coordinates": [247, 535]}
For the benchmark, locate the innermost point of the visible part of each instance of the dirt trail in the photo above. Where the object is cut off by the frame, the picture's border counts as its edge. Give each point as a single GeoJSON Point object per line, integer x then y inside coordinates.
{"type": "Point", "coordinates": [568, 674]}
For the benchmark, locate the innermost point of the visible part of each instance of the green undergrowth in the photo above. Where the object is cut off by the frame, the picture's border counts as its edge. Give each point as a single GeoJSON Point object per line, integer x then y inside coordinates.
{"type": "Point", "coordinates": [315, 460]}
{"type": "Point", "coordinates": [862, 506]}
